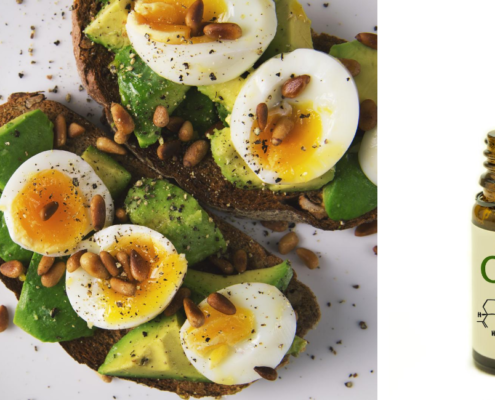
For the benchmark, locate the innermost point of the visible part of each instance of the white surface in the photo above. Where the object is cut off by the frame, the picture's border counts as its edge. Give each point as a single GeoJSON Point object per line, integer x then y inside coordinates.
{"type": "Point", "coordinates": [49, 374]}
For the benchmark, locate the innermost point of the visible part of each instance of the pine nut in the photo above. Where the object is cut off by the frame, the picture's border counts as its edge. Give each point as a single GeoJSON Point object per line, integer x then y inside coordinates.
{"type": "Point", "coordinates": [194, 16]}
{"type": "Point", "coordinates": [223, 31]}
{"type": "Point", "coordinates": [267, 373]}
{"type": "Point", "coordinates": [123, 287]}
{"type": "Point", "coordinates": [110, 263]}
{"type": "Point", "coordinates": [309, 258]}
{"type": "Point", "coordinates": [368, 39]}
{"type": "Point", "coordinates": [161, 117]}
{"type": "Point", "coordinates": [4, 318]}
{"type": "Point", "coordinates": [105, 378]}
{"type": "Point", "coordinates": [195, 153]}
{"type": "Point", "coordinates": [223, 265]}
{"type": "Point", "coordinates": [60, 131]}
{"type": "Point", "coordinates": [262, 115]}
{"type": "Point", "coordinates": [276, 226]}
{"type": "Point", "coordinates": [168, 150]}
{"type": "Point", "coordinates": [140, 268]}
{"type": "Point", "coordinates": [75, 130]}
{"type": "Point", "coordinates": [120, 138]}
{"type": "Point", "coordinates": [288, 243]}
{"type": "Point", "coordinates": [293, 87]}
{"type": "Point", "coordinates": [74, 261]}
{"type": "Point", "coordinates": [12, 269]}
{"type": "Point", "coordinates": [175, 124]}
{"type": "Point", "coordinates": [121, 216]}
{"type": "Point", "coordinates": [221, 303]}
{"type": "Point", "coordinates": [186, 132]}
{"type": "Point", "coordinates": [109, 146]}
{"type": "Point", "coordinates": [125, 261]}
{"type": "Point", "coordinates": [53, 276]}
{"type": "Point", "coordinates": [282, 129]}
{"type": "Point", "coordinates": [368, 115]}
{"type": "Point", "coordinates": [91, 263]}
{"type": "Point", "coordinates": [122, 120]}
{"type": "Point", "coordinates": [240, 261]}
{"type": "Point", "coordinates": [45, 264]}
{"type": "Point", "coordinates": [48, 210]}
{"type": "Point", "coordinates": [193, 313]}
{"type": "Point", "coordinates": [352, 66]}
{"type": "Point", "coordinates": [367, 229]}
{"type": "Point", "coordinates": [177, 302]}
{"type": "Point", "coordinates": [98, 212]}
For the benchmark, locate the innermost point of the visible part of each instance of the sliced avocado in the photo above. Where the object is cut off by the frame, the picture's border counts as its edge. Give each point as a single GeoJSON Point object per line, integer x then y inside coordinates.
{"type": "Point", "coordinates": [166, 208]}
{"type": "Point", "coordinates": [152, 350]}
{"type": "Point", "coordinates": [114, 176]}
{"type": "Point", "coordinates": [293, 30]}
{"type": "Point", "coordinates": [198, 109]}
{"type": "Point", "coordinates": [366, 81]}
{"type": "Point", "coordinates": [108, 28]}
{"type": "Point", "coordinates": [142, 90]}
{"type": "Point", "coordinates": [204, 283]}
{"type": "Point", "coordinates": [235, 169]}
{"type": "Point", "coordinates": [351, 193]}
{"type": "Point", "coordinates": [224, 93]}
{"type": "Point", "coordinates": [297, 347]}
{"type": "Point", "coordinates": [20, 139]}
{"type": "Point", "coordinates": [223, 114]}
{"type": "Point", "coordinates": [9, 250]}
{"type": "Point", "coordinates": [46, 313]}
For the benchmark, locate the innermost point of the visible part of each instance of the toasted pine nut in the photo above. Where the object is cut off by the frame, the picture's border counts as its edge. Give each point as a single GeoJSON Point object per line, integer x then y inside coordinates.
{"type": "Point", "coordinates": [98, 212]}
{"type": "Point", "coordinates": [123, 287]}
{"type": "Point", "coordinates": [221, 303]}
{"type": "Point", "coordinates": [105, 378]}
{"type": "Point", "coordinates": [140, 268]}
{"type": "Point", "coordinates": [124, 260]}
{"type": "Point", "coordinates": [193, 313]}
{"type": "Point", "coordinates": [4, 318]}
{"type": "Point", "coordinates": [168, 150]}
{"type": "Point", "coordinates": [177, 302]}
{"type": "Point", "coordinates": [262, 115]}
{"type": "Point", "coordinates": [53, 276]}
{"type": "Point", "coordinates": [276, 226]}
{"type": "Point", "coordinates": [12, 269]}
{"type": "Point", "coordinates": [352, 66]}
{"type": "Point", "coordinates": [75, 130]}
{"type": "Point", "coordinates": [123, 121]}
{"type": "Point", "coordinates": [309, 258]}
{"type": "Point", "coordinates": [45, 264]}
{"type": "Point", "coordinates": [194, 16]}
{"type": "Point", "coordinates": [240, 261]}
{"type": "Point", "coordinates": [161, 117]}
{"type": "Point", "coordinates": [293, 87]}
{"type": "Point", "coordinates": [223, 31]}
{"type": "Point", "coordinates": [74, 261]}
{"type": "Point", "coordinates": [60, 131]}
{"type": "Point", "coordinates": [120, 138]}
{"type": "Point", "coordinates": [109, 262]}
{"type": "Point", "coordinates": [48, 210]}
{"type": "Point", "coordinates": [175, 123]}
{"type": "Point", "coordinates": [369, 228]}
{"type": "Point", "coordinates": [186, 132]}
{"type": "Point", "coordinates": [288, 243]}
{"type": "Point", "coordinates": [282, 129]}
{"type": "Point", "coordinates": [195, 153]}
{"type": "Point", "coordinates": [91, 263]}
{"type": "Point", "coordinates": [267, 373]}
{"type": "Point", "coordinates": [368, 115]}
{"type": "Point", "coordinates": [121, 216]}
{"type": "Point", "coordinates": [368, 39]}
{"type": "Point", "coordinates": [223, 265]}
{"type": "Point", "coordinates": [109, 146]}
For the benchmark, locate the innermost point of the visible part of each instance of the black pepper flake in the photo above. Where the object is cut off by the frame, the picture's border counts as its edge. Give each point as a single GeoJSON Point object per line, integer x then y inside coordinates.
{"type": "Point", "coordinates": [264, 146]}
{"type": "Point", "coordinates": [278, 180]}
{"type": "Point", "coordinates": [95, 185]}
{"type": "Point", "coordinates": [325, 5]}
{"type": "Point", "coordinates": [75, 182]}
{"type": "Point", "coordinates": [54, 312]}
{"type": "Point", "coordinates": [213, 77]}
{"type": "Point", "coordinates": [363, 325]}
{"type": "Point", "coordinates": [145, 334]}
{"type": "Point", "coordinates": [17, 133]}
{"type": "Point", "coordinates": [212, 51]}
{"type": "Point", "coordinates": [186, 65]}
{"type": "Point", "coordinates": [21, 75]}
{"type": "Point", "coordinates": [56, 43]}
{"type": "Point", "coordinates": [207, 339]}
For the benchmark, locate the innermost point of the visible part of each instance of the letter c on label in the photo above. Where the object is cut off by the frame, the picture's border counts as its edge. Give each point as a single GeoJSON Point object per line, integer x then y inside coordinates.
{"type": "Point", "coordinates": [483, 268]}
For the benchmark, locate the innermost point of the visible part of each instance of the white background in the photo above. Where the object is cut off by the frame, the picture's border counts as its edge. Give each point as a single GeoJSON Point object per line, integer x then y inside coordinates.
{"type": "Point", "coordinates": [49, 374]}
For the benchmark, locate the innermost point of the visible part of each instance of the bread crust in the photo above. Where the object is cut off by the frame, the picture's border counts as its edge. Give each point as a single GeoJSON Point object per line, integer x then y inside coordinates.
{"type": "Point", "coordinates": [205, 181]}
{"type": "Point", "coordinates": [93, 350]}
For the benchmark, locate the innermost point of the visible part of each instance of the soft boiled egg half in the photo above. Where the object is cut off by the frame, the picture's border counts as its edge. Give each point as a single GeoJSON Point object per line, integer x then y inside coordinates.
{"type": "Point", "coordinates": [227, 348]}
{"type": "Point", "coordinates": [55, 180]}
{"type": "Point", "coordinates": [98, 304]}
{"type": "Point", "coordinates": [324, 116]}
{"type": "Point", "coordinates": [368, 155]}
{"type": "Point", "coordinates": [158, 33]}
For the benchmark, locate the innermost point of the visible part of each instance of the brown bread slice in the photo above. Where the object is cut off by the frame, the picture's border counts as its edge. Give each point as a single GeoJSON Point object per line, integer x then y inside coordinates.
{"type": "Point", "coordinates": [92, 351]}
{"type": "Point", "coordinates": [205, 181]}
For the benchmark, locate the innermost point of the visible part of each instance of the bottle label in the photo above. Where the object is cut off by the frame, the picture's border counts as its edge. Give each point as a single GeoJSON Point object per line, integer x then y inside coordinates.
{"type": "Point", "coordinates": [483, 281]}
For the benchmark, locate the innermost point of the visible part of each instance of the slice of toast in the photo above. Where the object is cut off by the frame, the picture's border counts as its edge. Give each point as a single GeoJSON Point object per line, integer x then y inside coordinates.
{"type": "Point", "coordinates": [205, 181]}
{"type": "Point", "coordinates": [93, 350]}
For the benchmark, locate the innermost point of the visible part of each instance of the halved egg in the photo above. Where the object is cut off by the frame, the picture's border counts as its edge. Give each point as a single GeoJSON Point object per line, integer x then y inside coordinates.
{"type": "Point", "coordinates": [97, 303]}
{"type": "Point", "coordinates": [324, 116]}
{"type": "Point", "coordinates": [368, 157]}
{"type": "Point", "coordinates": [227, 348]}
{"type": "Point", "coordinates": [58, 184]}
{"type": "Point", "coordinates": [157, 31]}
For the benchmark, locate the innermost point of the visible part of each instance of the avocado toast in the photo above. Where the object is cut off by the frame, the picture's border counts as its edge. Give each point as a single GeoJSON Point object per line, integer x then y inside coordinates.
{"type": "Point", "coordinates": [207, 180]}
{"type": "Point", "coordinates": [83, 350]}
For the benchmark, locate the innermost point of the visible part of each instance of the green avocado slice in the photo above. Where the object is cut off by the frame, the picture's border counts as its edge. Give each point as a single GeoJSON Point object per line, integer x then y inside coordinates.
{"type": "Point", "coordinates": [9, 250]}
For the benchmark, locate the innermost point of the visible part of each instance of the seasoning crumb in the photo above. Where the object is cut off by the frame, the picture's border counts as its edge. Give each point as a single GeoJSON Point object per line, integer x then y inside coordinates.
{"type": "Point", "coordinates": [19, 1]}
{"type": "Point", "coordinates": [56, 43]}
{"type": "Point", "coordinates": [325, 5]}
{"type": "Point", "coordinates": [339, 342]}
{"type": "Point", "coordinates": [21, 75]}
{"type": "Point", "coordinates": [355, 286]}
{"type": "Point", "coordinates": [81, 88]}
{"type": "Point", "coordinates": [35, 348]}
{"type": "Point", "coordinates": [49, 77]}
{"type": "Point", "coordinates": [312, 357]}
{"type": "Point", "coordinates": [348, 384]}
{"type": "Point", "coordinates": [329, 304]}
{"type": "Point", "coordinates": [363, 325]}
{"type": "Point", "coordinates": [332, 350]}
{"type": "Point", "coordinates": [341, 301]}
{"type": "Point", "coordinates": [68, 98]}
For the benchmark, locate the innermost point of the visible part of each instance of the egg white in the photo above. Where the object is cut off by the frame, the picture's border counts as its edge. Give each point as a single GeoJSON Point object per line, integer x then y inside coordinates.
{"type": "Point", "coordinates": [368, 157]}
{"type": "Point", "coordinates": [332, 92]}
{"type": "Point", "coordinates": [275, 327]}
{"type": "Point", "coordinates": [213, 62]}
{"type": "Point", "coordinates": [85, 293]}
{"type": "Point", "coordinates": [72, 166]}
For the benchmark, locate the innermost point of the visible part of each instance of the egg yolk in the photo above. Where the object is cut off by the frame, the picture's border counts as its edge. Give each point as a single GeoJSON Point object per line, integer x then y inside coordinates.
{"type": "Point", "coordinates": [220, 333]}
{"type": "Point", "coordinates": [292, 157]}
{"type": "Point", "coordinates": [65, 228]}
{"type": "Point", "coordinates": [167, 19]}
{"type": "Point", "coordinates": [166, 273]}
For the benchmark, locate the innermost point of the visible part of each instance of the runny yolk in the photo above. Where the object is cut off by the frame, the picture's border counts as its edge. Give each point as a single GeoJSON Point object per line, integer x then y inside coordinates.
{"type": "Point", "coordinates": [220, 333]}
{"type": "Point", "coordinates": [291, 158]}
{"type": "Point", "coordinates": [167, 17]}
{"type": "Point", "coordinates": [166, 273]}
{"type": "Point", "coordinates": [65, 228]}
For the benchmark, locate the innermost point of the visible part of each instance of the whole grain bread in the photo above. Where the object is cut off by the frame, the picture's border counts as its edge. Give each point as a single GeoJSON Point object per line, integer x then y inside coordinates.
{"type": "Point", "coordinates": [205, 181]}
{"type": "Point", "coordinates": [93, 350]}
